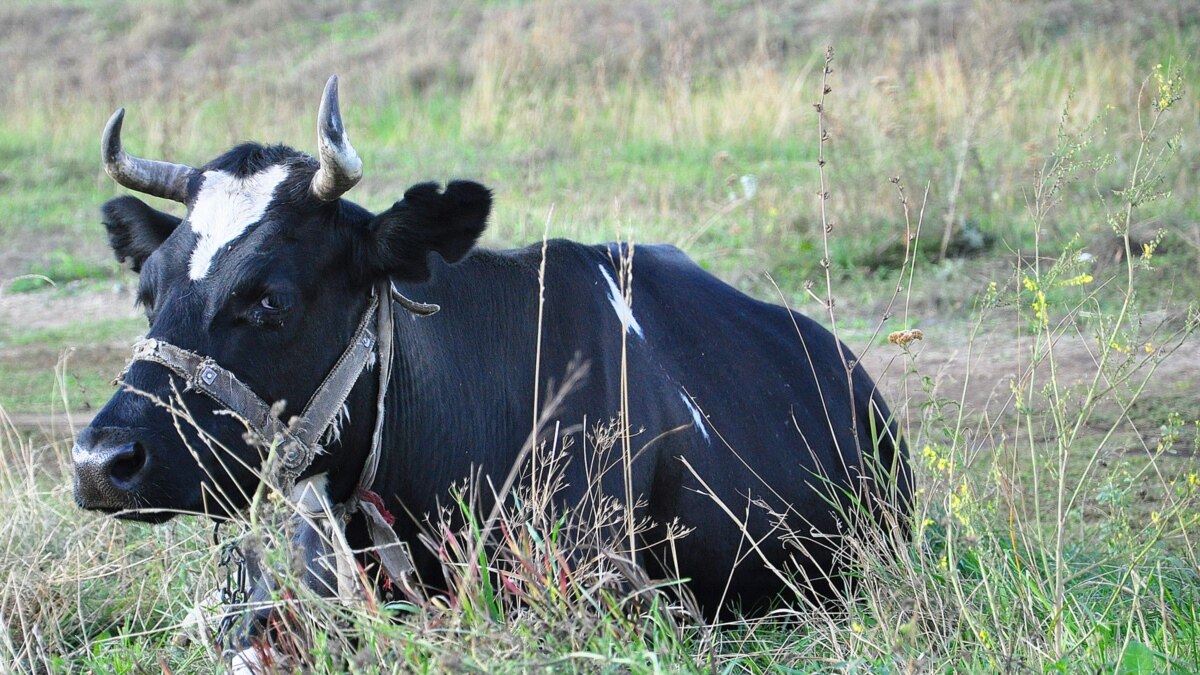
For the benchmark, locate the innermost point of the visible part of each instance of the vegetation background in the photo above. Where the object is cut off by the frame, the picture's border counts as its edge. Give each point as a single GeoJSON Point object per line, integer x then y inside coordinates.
{"type": "Point", "coordinates": [1044, 234]}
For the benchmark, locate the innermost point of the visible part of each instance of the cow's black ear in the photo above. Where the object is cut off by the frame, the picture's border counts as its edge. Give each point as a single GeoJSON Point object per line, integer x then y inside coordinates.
{"type": "Point", "coordinates": [135, 230]}
{"type": "Point", "coordinates": [428, 219]}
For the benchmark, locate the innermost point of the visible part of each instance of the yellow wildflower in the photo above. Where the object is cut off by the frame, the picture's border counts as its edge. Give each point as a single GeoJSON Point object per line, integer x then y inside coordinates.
{"type": "Point", "coordinates": [983, 637]}
{"type": "Point", "coordinates": [1039, 307]}
{"type": "Point", "coordinates": [1078, 280]}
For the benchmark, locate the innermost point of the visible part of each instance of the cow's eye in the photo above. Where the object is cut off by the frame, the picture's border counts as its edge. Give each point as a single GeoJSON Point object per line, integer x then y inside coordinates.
{"type": "Point", "coordinates": [271, 309]}
{"type": "Point", "coordinates": [272, 303]}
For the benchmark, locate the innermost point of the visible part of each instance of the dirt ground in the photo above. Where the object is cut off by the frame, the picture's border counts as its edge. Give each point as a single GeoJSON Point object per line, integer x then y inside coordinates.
{"type": "Point", "coordinates": [978, 373]}
{"type": "Point", "coordinates": [52, 310]}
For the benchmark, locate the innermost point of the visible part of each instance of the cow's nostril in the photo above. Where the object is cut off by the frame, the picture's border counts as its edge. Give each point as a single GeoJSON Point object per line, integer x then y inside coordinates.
{"type": "Point", "coordinates": [126, 465]}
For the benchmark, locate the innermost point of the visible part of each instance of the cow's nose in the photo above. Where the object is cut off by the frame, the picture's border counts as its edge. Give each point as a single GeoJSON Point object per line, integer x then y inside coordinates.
{"type": "Point", "coordinates": [107, 473]}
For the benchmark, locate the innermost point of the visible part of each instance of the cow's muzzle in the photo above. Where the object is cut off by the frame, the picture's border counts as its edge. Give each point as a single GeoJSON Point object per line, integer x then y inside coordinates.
{"type": "Point", "coordinates": [110, 467]}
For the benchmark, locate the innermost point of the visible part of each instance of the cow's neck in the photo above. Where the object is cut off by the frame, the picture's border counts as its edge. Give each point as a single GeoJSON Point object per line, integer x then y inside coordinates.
{"type": "Point", "coordinates": [462, 382]}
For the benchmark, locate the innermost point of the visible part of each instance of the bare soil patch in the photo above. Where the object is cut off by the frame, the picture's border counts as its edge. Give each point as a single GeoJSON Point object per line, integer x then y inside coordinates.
{"type": "Point", "coordinates": [979, 372]}
{"type": "Point", "coordinates": [55, 310]}
{"type": "Point", "coordinates": [979, 375]}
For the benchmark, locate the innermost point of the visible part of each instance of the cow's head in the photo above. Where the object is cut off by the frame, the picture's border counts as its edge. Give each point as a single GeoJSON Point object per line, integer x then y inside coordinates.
{"type": "Point", "coordinates": [268, 274]}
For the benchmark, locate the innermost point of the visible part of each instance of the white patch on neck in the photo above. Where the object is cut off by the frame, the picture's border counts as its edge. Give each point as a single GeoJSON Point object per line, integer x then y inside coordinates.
{"type": "Point", "coordinates": [225, 208]}
{"type": "Point", "coordinates": [622, 308]}
{"type": "Point", "coordinates": [697, 418]}
{"type": "Point", "coordinates": [311, 494]}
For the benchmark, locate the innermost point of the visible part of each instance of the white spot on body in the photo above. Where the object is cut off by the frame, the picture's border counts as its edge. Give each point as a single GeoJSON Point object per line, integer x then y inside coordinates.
{"type": "Point", "coordinates": [250, 661]}
{"type": "Point", "coordinates": [205, 615]}
{"type": "Point", "coordinates": [225, 207]}
{"type": "Point", "coordinates": [697, 418]}
{"type": "Point", "coordinates": [622, 308]}
{"type": "Point", "coordinates": [310, 494]}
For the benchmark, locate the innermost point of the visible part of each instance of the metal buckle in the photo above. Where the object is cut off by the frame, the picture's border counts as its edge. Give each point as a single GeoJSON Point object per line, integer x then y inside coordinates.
{"type": "Point", "coordinates": [295, 455]}
{"type": "Point", "coordinates": [207, 372]}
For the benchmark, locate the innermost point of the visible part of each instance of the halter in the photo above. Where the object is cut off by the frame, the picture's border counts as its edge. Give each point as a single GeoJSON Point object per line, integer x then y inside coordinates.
{"type": "Point", "coordinates": [297, 442]}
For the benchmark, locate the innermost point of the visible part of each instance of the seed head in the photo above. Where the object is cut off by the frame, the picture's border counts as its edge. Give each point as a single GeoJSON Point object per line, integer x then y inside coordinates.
{"type": "Point", "coordinates": [904, 338]}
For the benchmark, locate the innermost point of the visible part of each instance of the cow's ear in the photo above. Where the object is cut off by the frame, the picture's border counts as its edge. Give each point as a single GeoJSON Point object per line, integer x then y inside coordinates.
{"type": "Point", "coordinates": [135, 230]}
{"type": "Point", "coordinates": [427, 219]}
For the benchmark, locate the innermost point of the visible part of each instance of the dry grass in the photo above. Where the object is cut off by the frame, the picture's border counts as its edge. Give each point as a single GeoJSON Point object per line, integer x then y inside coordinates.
{"type": "Point", "coordinates": [955, 93]}
{"type": "Point", "coordinates": [1056, 514]}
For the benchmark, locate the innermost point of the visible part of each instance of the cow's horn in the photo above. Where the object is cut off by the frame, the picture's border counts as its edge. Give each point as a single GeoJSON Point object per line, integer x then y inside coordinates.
{"type": "Point", "coordinates": [161, 179]}
{"type": "Point", "coordinates": [340, 168]}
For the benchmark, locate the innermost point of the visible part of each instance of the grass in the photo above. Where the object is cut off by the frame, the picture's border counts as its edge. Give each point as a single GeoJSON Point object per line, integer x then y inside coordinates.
{"type": "Point", "coordinates": [673, 141]}
{"type": "Point", "coordinates": [61, 267]}
{"type": "Point", "coordinates": [74, 363]}
{"type": "Point", "coordinates": [1058, 501]}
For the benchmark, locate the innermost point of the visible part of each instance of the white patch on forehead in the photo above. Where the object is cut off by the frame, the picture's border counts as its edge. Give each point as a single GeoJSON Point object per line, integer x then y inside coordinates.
{"type": "Point", "coordinates": [225, 207]}
{"type": "Point", "coordinates": [697, 418]}
{"type": "Point", "coordinates": [622, 308]}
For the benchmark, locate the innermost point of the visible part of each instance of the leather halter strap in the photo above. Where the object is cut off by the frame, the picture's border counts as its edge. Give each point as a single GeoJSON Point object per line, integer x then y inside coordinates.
{"type": "Point", "coordinates": [298, 441]}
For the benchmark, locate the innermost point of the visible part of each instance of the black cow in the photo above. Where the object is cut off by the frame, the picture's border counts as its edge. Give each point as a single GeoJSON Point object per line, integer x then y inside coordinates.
{"type": "Point", "coordinates": [735, 404]}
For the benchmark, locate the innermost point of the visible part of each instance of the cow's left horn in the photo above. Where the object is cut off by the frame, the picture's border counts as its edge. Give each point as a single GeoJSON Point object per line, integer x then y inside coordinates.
{"type": "Point", "coordinates": [161, 179]}
{"type": "Point", "coordinates": [340, 168]}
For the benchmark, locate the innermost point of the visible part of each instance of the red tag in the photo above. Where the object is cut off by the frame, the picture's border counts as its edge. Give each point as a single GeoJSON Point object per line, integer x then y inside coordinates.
{"type": "Point", "coordinates": [375, 499]}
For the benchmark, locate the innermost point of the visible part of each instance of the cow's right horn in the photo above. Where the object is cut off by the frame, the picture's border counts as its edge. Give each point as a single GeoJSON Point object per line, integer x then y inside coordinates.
{"type": "Point", "coordinates": [340, 168]}
{"type": "Point", "coordinates": [161, 179]}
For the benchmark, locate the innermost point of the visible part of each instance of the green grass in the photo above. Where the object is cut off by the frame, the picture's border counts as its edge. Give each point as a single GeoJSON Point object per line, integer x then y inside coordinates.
{"type": "Point", "coordinates": [73, 335]}
{"type": "Point", "coordinates": [90, 353]}
{"type": "Point", "coordinates": [61, 267]}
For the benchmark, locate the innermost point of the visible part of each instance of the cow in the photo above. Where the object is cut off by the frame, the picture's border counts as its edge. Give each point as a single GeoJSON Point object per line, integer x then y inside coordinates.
{"type": "Point", "coordinates": [738, 413]}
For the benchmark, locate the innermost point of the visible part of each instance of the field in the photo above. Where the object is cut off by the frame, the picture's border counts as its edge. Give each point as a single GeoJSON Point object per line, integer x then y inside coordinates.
{"type": "Point", "coordinates": [1016, 180]}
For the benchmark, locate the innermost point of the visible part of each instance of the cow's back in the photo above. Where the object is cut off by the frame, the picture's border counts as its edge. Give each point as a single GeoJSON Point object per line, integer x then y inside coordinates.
{"type": "Point", "coordinates": [759, 421]}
